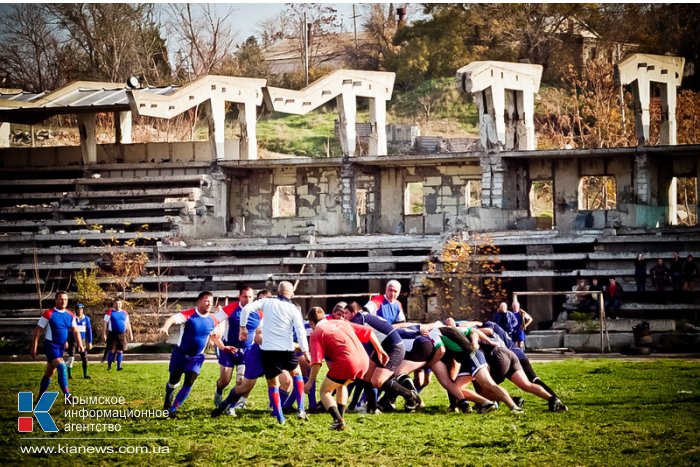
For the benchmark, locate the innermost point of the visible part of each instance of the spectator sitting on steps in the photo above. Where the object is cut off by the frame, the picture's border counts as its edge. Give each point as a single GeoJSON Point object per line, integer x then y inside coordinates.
{"type": "Point", "coordinates": [579, 299]}
{"type": "Point", "coordinates": [613, 294]}
{"type": "Point", "coordinates": [591, 300]}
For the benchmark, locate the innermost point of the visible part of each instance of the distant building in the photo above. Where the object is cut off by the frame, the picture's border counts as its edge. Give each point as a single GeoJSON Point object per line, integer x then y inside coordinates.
{"type": "Point", "coordinates": [333, 51]}
{"type": "Point", "coordinates": [580, 45]}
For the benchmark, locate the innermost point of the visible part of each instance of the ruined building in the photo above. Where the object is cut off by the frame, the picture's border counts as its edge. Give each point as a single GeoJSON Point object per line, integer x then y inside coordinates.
{"type": "Point", "coordinates": [219, 217]}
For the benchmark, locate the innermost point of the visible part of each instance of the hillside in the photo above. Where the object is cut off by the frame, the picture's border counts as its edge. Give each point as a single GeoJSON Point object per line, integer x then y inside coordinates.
{"type": "Point", "coordinates": [562, 119]}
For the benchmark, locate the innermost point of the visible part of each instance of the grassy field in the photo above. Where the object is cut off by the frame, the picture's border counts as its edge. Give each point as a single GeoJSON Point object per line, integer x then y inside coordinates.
{"type": "Point", "coordinates": [620, 413]}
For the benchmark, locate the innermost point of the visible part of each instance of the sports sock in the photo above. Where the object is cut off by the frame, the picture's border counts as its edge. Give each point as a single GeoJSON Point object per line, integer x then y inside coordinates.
{"type": "Point", "coordinates": [85, 363]}
{"type": "Point", "coordinates": [181, 396]}
{"type": "Point", "coordinates": [70, 362]}
{"type": "Point", "coordinates": [355, 391]}
{"type": "Point", "coordinates": [539, 382]}
{"type": "Point", "coordinates": [62, 371]}
{"type": "Point", "coordinates": [453, 400]}
{"type": "Point", "coordinates": [393, 385]}
{"type": "Point", "coordinates": [120, 357]}
{"type": "Point", "coordinates": [232, 398]}
{"type": "Point", "coordinates": [219, 390]}
{"type": "Point", "coordinates": [44, 385]}
{"type": "Point", "coordinates": [335, 413]}
{"type": "Point", "coordinates": [287, 398]}
{"type": "Point", "coordinates": [169, 389]}
{"type": "Point", "coordinates": [406, 382]}
{"type": "Point", "coordinates": [110, 359]}
{"type": "Point", "coordinates": [371, 396]}
{"type": "Point", "coordinates": [299, 387]}
{"type": "Point", "coordinates": [313, 402]}
{"type": "Point", "coordinates": [341, 410]}
{"type": "Point", "coordinates": [274, 395]}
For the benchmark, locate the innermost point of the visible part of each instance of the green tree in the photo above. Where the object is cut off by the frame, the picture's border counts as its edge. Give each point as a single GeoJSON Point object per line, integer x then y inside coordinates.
{"type": "Point", "coordinates": [433, 47]}
{"type": "Point", "coordinates": [87, 288]}
{"type": "Point", "coordinates": [250, 60]}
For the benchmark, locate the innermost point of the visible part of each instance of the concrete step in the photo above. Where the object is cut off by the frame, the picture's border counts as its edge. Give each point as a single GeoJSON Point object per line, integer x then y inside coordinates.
{"type": "Point", "coordinates": [614, 325]}
{"type": "Point", "coordinates": [193, 180]}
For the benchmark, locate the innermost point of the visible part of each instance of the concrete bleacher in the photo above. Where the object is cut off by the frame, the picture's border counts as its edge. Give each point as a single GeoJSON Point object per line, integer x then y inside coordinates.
{"type": "Point", "coordinates": [188, 266]}
{"type": "Point", "coordinates": [564, 259]}
{"type": "Point", "coordinates": [46, 219]}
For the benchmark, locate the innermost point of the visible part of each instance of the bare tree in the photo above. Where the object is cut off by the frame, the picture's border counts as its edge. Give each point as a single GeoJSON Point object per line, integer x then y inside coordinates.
{"type": "Point", "coordinates": [112, 41]}
{"type": "Point", "coordinates": [205, 36]}
{"type": "Point", "coordinates": [30, 54]}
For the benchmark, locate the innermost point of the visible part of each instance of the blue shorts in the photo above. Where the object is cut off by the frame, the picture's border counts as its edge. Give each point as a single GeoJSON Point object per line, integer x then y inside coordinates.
{"type": "Point", "coordinates": [471, 363]}
{"type": "Point", "coordinates": [519, 335]}
{"type": "Point", "coordinates": [253, 361]}
{"type": "Point", "coordinates": [230, 359]}
{"type": "Point", "coordinates": [182, 363]}
{"type": "Point", "coordinates": [53, 350]}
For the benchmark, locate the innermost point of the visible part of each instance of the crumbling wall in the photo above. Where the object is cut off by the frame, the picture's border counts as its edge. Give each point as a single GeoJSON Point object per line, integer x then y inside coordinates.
{"type": "Point", "coordinates": [318, 194]}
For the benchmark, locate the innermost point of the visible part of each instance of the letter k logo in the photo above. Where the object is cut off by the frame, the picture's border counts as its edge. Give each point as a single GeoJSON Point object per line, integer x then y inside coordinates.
{"type": "Point", "coordinates": [25, 403]}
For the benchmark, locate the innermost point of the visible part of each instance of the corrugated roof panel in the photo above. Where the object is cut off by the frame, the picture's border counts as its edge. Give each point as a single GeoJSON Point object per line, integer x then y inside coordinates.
{"type": "Point", "coordinates": [22, 96]}
{"type": "Point", "coordinates": [113, 97]}
{"type": "Point", "coordinates": [74, 98]}
{"type": "Point", "coordinates": [166, 91]}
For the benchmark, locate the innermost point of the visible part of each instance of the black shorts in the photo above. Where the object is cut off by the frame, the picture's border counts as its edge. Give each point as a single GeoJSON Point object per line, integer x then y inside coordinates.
{"type": "Point", "coordinates": [422, 350]}
{"type": "Point", "coordinates": [71, 347]}
{"type": "Point", "coordinates": [276, 361]}
{"type": "Point", "coordinates": [337, 380]}
{"type": "Point", "coordinates": [116, 341]}
{"type": "Point", "coordinates": [502, 364]}
{"type": "Point", "coordinates": [396, 356]}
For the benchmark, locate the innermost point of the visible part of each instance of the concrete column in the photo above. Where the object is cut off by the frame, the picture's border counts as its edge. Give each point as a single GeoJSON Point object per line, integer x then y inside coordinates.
{"type": "Point", "coordinates": [348, 198]}
{"type": "Point", "coordinates": [88, 144]}
{"type": "Point", "coordinates": [640, 70]}
{"type": "Point", "coordinates": [122, 127]}
{"type": "Point", "coordinates": [526, 110]}
{"type": "Point", "coordinates": [217, 113]}
{"type": "Point", "coordinates": [347, 109]}
{"type": "Point", "coordinates": [247, 119]}
{"type": "Point", "coordinates": [4, 135]}
{"type": "Point", "coordinates": [668, 114]}
{"type": "Point", "coordinates": [485, 181]}
{"type": "Point", "coordinates": [511, 111]}
{"type": "Point", "coordinates": [492, 180]}
{"type": "Point", "coordinates": [498, 107]}
{"type": "Point", "coordinates": [499, 87]}
{"type": "Point", "coordinates": [497, 192]}
{"type": "Point", "coordinates": [672, 205]}
{"type": "Point", "coordinates": [377, 117]}
{"type": "Point", "coordinates": [641, 90]}
{"type": "Point", "coordinates": [642, 183]}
